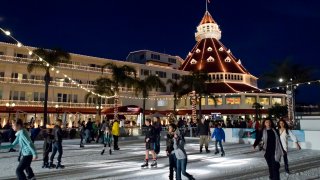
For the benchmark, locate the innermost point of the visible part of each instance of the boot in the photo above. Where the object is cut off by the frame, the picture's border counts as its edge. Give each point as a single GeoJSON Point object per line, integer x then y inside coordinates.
{"type": "Point", "coordinates": [286, 167]}
{"type": "Point", "coordinates": [217, 152]}
{"type": "Point", "coordinates": [145, 164]}
{"type": "Point", "coordinates": [207, 150]}
{"type": "Point", "coordinates": [81, 146]}
{"type": "Point", "coordinates": [222, 154]}
{"type": "Point", "coordinates": [102, 152]}
{"type": "Point", "coordinates": [200, 149]}
{"type": "Point", "coordinates": [110, 151]}
{"type": "Point", "coordinates": [51, 165]}
{"type": "Point", "coordinates": [60, 166]}
{"type": "Point", "coordinates": [45, 165]}
{"type": "Point", "coordinates": [154, 163]}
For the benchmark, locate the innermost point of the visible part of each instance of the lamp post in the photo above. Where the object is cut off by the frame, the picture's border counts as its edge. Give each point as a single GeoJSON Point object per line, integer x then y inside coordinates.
{"type": "Point", "coordinates": [9, 108]}
{"type": "Point", "coordinates": [98, 108]}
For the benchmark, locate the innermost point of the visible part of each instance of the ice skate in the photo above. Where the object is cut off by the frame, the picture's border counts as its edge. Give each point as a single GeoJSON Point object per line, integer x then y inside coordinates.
{"type": "Point", "coordinates": [145, 164]}
{"type": "Point", "coordinates": [51, 165]}
{"type": "Point", "coordinates": [222, 154]}
{"type": "Point", "coordinates": [154, 164]}
{"type": "Point", "coordinates": [217, 152]}
{"type": "Point", "coordinates": [59, 166]}
{"type": "Point", "coordinates": [81, 146]}
{"type": "Point", "coordinates": [102, 152]}
{"type": "Point", "coordinates": [45, 165]}
{"type": "Point", "coordinates": [110, 151]}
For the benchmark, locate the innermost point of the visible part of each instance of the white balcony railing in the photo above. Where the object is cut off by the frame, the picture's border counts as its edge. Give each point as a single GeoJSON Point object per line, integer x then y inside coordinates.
{"type": "Point", "coordinates": [12, 59]}
{"type": "Point", "coordinates": [51, 104]}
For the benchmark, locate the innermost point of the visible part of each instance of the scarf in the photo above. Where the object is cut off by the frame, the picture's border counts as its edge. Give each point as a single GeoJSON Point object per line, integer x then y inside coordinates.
{"type": "Point", "coordinates": [279, 151]}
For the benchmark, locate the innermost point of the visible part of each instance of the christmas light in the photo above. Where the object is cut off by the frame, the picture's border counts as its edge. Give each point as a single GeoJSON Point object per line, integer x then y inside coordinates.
{"type": "Point", "coordinates": [30, 52]}
{"type": "Point", "coordinates": [19, 44]}
{"type": "Point", "coordinates": [8, 33]}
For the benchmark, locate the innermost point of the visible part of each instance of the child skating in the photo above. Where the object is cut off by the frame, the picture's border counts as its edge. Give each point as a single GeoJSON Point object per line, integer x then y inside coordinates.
{"type": "Point", "coordinates": [150, 144]}
{"type": "Point", "coordinates": [47, 147]}
{"type": "Point", "coordinates": [219, 134]}
{"type": "Point", "coordinates": [107, 140]}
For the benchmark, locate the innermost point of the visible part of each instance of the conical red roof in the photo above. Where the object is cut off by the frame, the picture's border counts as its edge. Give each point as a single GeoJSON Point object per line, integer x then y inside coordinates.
{"type": "Point", "coordinates": [212, 56]}
{"type": "Point", "coordinates": [207, 18]}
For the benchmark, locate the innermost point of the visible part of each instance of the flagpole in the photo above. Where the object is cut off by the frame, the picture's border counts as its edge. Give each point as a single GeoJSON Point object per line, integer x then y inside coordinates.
{"type": "Point", "coordinates": [206, 5]}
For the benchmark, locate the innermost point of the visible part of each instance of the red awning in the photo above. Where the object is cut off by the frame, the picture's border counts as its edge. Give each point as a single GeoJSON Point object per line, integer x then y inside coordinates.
{"type": "Point", "coordinates": [131, 109]}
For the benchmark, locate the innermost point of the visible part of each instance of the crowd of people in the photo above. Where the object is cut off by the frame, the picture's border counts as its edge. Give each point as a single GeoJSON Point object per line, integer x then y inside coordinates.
{"type": "Point", "coordinates": [269, 138]}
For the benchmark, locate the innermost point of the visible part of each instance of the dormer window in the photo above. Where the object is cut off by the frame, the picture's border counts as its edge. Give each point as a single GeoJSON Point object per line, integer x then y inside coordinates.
{"type": "Point", "coordinates": [227, 59]}
{"type": "Point", "coordinates": [198, 51]}
{"type": "Point", "coordinates": [210, 59]}
{"type": "Point", "coordinates": [193, 61]}
{"type": "Point", "coordinates": [221, 49]}
{"type": "Point", "coordinates": [239, 62]}
{"type": "Point", "coordinates": [229, 51]}
{"type": "Point", "coordinates": [209, 49]}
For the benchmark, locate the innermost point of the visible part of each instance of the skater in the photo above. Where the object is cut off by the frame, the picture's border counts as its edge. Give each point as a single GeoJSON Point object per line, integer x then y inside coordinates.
{"type": "Point", "coordinates": [115, 133]}
{"type": "Point", "coordinates": [107, 140]}
{"type": "Point", "coordinates": [57, 145]}
{"type": "Point", "coordinates": [285, 133]}
{"type": "Point", "coordinates": [181, 155]}
{"type": "Point", "coordinates": [34, 132]}
{"type": "Point", "coordinates": [12, 137]}
{"type": "Point", "coordinates": [204, 133]}
{"type": "Point", "coordinates": [271, 144]}
{"type": "Point", "coordinates": [27, 151]}
{"type": "Point", "coordinates": [82, 133]}
{"type": "Point", "coordinates": [47, 147]}
{"type": "Point", "coordinates": [158, 129]}
{"type": "Point", "coordinates": [101, 131]}
{"type": "Point", "coordinates": [150, 140]}
{"type": "Point", "coordinates": [219, 134]}
{"type": "Point", "coordinates": [170, 150]}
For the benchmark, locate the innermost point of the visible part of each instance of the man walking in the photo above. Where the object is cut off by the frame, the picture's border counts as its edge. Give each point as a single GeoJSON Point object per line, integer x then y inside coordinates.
{"type": "Point", "coordinates": [204, 133]}
{"type": "Point", "coordinates": [116, 134]}
{"type": "Point", "coordinates": [57, 145]}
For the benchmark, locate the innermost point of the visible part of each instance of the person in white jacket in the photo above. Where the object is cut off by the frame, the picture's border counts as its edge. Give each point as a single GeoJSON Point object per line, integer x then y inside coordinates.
{"type": "Point", "coordinates": [285, 134]}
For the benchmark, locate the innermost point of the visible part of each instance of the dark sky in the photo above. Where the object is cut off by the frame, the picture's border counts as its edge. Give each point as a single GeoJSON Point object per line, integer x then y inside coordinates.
{"type": "Point", "coordinates": [258, 32]}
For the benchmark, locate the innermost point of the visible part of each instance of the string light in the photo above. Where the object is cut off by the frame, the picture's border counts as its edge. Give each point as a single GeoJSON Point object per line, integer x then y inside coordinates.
{"type": "Point", "coordinates": [30, 53]}
{"type": "Point", "coordinates": [19, 44]}
{"type": "Point", "coordinates": [8, 33]}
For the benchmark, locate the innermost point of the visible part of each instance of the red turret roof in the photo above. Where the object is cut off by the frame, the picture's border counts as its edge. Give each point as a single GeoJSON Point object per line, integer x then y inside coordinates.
{"type": "Point", "coordinates": [211, 56]}
{"type": "Point", "coordinates": [207, 18]}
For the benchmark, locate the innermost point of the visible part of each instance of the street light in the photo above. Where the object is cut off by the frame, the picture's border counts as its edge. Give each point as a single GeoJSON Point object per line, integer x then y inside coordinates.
{"type": "Point", "coordinates": [281, 80]}
{"type": "Point", "coordinates": [9, 108]}
{"type": "Point", "coordinates": [58, 109]}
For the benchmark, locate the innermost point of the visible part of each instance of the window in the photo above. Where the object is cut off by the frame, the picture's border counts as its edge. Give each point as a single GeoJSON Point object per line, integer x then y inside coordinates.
{"type": "Point", "coordinates": [35, 96]}
{"type": "Point", "coordinates": [276, 100]}
{"type": "Point", "coordinates": [172, 60]}
{"type": "Point", "coordinates": [64, 97]}
{"type": "Point", "coordinates": [233, 100]}
{"type": "Point", "coordinates": [22, 96]}
{"type": "Point", "coordinates": [264, 101]}
{"type": "Point", "coordinates": [175, 76]}
{"type": "Point", "coordinates": [21, 55]}
{"type": "Point", "coordinates": [1, 53]}
{"type": "Point", "coordinates": [213, 76]}
{"type": "Point", "coordinates": [15, 95]}
{"type": "Point", "coordinates": [41, 96]}
{"type": "Point", "coordinates": [162, 103]}
{"type": "Point", "coordinates": [29, 96]}
{"type": "Point", "coordinates": [145, 72]}
{"type": "Point", "coordinates": [212, 103]}
{"type": "Point", "coordinates": [1, 93]}
{"type": "Point", "coordinates": [161, 74]}
{"type": "Point", "coordinates": [250, 100]}
{"type": "Point", "coordinates": [203, 101]}
{"type": "Point", "coordinates": [142, 57]}
{"type": "Point", "coordinates": [155, 56]}
{"type": "Point", "coordinates": [75, 98]}
{"type": "Point", "coordinates": [221, 76]}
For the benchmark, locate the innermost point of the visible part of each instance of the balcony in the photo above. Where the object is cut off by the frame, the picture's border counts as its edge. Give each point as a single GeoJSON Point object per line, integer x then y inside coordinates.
{"type": "Point", "coordinates": [26, 61]}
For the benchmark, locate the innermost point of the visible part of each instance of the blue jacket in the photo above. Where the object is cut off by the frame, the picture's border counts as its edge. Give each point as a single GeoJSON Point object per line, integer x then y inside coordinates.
{"type": "Point", "coordinates": [26, 146]}
{"type": "Point", "coordinates": [218, 133]}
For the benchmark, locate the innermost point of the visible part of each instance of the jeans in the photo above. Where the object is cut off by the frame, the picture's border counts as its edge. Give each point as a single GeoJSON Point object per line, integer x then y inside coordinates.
{"type": "Point", "coordinates": [181, 168]}
{"type": "Point", "coordinates": [172, 164]}
{"type": "Point", "coordinates": [273, 166]}
{"type": "Point", "coordinates": [57, 146]}
{"type": "Point", "coordinates": [220, 144]}
{"type": "Point", "coordinates": [24, 164]}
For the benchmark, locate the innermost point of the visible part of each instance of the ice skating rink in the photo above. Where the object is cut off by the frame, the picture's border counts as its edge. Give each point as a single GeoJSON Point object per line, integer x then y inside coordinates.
{"type": "Point", "coordinates": [240, 162]}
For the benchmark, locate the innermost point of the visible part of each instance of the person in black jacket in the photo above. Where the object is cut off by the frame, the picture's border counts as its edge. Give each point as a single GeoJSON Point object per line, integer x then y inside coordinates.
{"type": "Point", "coordinates": [269, 141]}
{"type": "Point", "coordinates": [204, 133]}
{"type": "Point", "coordinates": [170, 149]}
{"type": "Point", "coordinates": [150, 144]}
{"type": "Point", "coordinates": [57, 144]}
{"type": "Point", "coordinates": [47, 147]}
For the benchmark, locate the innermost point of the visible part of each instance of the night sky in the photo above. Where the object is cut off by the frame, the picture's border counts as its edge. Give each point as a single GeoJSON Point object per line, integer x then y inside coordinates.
{"type": "Point", "coordinates": [257, 32]}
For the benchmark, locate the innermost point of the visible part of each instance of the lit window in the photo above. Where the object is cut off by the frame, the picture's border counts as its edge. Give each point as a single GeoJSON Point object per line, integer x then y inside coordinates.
{"type": "Point", "coordinates": [221, 49]}
{"type": "Point", "coordinates": [198, 51]}
{"type": "Point", "coordinates": [264, 101]}
{"type": "Point", "coordinates": [233, 100]}
{"type": "Point", "coordinates": [250, 100]}
{"type": "Point", "coordinates": [193, 61]}
{"type": "Point", "coordinates": [227, 59]}
{"type": "Point", "coordinates": [276, 100]}
{"type": "Point", "coordinates": [210, 59]}
{"type": "Point", "coordinates": [209, 48]}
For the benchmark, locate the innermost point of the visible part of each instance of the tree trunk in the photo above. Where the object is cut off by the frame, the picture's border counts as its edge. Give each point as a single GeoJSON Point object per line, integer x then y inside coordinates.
{"type": "Point", "coordinates": [200, 107]}
{"type": "Point", "coordinates": [175, 105]}
{"type": "Point", "coordinates": [194, 108]}
{"type": "Point", "coordinates": [45, 105]}
{"type": "Point", "coordinates": [143, 111]}
{"type": "Point", "coordinates": [116, 106]}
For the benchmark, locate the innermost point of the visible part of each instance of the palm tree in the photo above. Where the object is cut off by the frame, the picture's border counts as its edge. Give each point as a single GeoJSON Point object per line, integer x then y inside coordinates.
{"type": "Point", "coordinates": [144, 86]}
{"type": "Point", "coordinates": [121, 76]}
{"type": "Point", "coordinates": [197, 82]}
{"type": "Point", "coordinates": [175, 88]}
{"type": "Point", "coordinates": [288, 71]}
{"type": "Point", "coordinates": [102, 86]}
{"type": "Point", "coordinates": [53, 57]}
{"type": "Point", "coordinates": [257, 107]}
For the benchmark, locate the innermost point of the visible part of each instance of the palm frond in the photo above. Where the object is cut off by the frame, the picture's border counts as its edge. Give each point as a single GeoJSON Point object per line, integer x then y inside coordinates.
{"type": "Point", "coordinates": [35, 65]}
